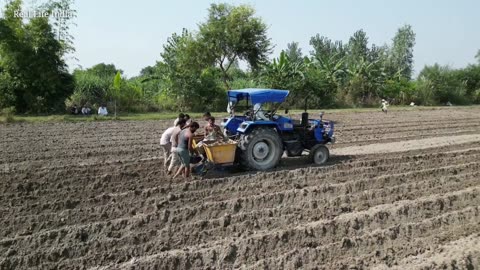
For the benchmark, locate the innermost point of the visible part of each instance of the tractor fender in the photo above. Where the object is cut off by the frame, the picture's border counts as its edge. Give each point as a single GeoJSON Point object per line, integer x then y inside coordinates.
{"type": "Point", "coordinates": [232, 124]}
{"type": "Point", "coordinates": [247, 126]}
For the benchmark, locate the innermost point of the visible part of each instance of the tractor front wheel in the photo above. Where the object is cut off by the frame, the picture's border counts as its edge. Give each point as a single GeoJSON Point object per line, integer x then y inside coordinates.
{"type": "Point", "coordinates": [319, 154]}
{"type": "Point", "coordinates": [261, 149]}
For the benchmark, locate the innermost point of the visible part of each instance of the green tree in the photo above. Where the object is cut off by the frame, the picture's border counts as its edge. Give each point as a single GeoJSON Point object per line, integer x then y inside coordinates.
{"type": "Point", "coordinates": [324, 48]}
{"type": "Point", "coordinates": [470, 78]}
{"type": "Point", "coordinates": [439, 85]}
{"type": "Point", "coordinates": [191, 86]}
{"type": "Point", "coordinates": [358, 46]}
{"type": "Point", "coordinates": [402, 91]}
{"type": "Point", "coordinates": [93, 85]}
{"type": "Point", "coordinates": [31, 59]}
{"type": "Point", "coordinates": [330, 58]}
{"type": "Point", "coordinates": [62, 21]}
{"type": "Point", "coordinates": [294, 53]}
{"type": "Point", "coordinates": [151, 82]}
{"type": "Point", "coordinates": [105, 70]}
{"type": "Point", "coordinates": [233, 33]}
{"type": "Point", "coordinates": [283, 73]}
{"type": "Point", "coordinates": [401, 53]}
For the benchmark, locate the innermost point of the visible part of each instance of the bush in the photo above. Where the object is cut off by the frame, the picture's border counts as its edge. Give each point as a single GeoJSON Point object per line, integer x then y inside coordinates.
{"type": "Point", "coordinates": [440, 84]}
{"type": "Point", "coordinates": [8, 114]}
{"type": "Point", "coordinates": [400, 91]}
{"type": "Point", "coordinates": [477, 97]}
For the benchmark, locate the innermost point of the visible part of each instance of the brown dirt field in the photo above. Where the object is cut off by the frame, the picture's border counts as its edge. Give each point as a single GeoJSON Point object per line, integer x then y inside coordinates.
{"type": "Point", "coordinates": [401, 191]}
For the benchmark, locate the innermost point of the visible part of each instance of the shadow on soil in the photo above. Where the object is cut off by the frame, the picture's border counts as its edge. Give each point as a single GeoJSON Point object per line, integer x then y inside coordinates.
{"type": "Point", "coordinates": [286, 163]}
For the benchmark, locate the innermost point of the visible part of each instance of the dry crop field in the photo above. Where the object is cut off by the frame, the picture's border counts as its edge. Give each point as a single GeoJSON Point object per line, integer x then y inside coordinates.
{"type": "Point", "coordinates": [401, 191]}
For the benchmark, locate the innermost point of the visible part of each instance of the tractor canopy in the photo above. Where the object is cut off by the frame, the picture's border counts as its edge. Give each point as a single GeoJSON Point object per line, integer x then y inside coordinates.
{"type": "Point", "coordinates": [256, 95]}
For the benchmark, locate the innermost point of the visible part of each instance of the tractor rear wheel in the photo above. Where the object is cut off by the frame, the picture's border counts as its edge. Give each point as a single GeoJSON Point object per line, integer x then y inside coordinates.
{"type": "Point", "coordinates": [261, 149]}
{"type": "Point", "coordinates": [319, 154]}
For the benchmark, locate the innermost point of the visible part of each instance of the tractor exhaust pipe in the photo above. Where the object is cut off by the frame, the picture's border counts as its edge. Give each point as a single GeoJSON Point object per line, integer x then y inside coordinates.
{"type": "Point", "coordinates": [305, 119]}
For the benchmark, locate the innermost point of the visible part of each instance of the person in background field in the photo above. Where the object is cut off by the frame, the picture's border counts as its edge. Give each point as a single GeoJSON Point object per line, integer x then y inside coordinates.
{"type": "Point", "coordinates": [74, 109]}
{"type": "Point", "coordinates": [103, 110]}
{"type": "Point", "coordinates": [174, 159]}
{"type": "Point", "coordinates": [166, 145]}
{"type": "Point", "coordinates": [384, 106]}
{"type": "Point", "coordinates": [86, 110]}
{"type": "Point", "coordinates": [184, 148]}
{"type": "Point", "coordinates": [180, 116]}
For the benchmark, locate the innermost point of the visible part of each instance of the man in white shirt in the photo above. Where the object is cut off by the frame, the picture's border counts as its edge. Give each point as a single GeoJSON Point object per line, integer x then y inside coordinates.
{"type": "Point", "coordinates": [85, 110]}
{"type": "Point", "coordinates": [384, 106]}
{"type": "Point", "coordinates": [230, 108]}
{"type": "Point", "coordinates": [259, 114]}
{"type": "Point", "coordinates": [174, 158]}
{"type": "Point", "coordinates": [166, 145]}
{"type": "Point", "coordinates": [102, 110]}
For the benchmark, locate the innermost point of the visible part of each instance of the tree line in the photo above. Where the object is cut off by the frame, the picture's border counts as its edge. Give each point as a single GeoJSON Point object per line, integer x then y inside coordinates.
{"type": "Point", "coordinates": [197, 66]}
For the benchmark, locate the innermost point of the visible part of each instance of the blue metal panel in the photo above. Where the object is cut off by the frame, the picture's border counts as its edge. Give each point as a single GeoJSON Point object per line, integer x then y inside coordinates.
{"type": "Point", "coordinates": [319, 133]}
{"type": "Point", "coordinates": [284, 123]}
{"type": "Point", "coordinates": [247, 125]}
{"type": "Point", "coordinates": [233, 123]}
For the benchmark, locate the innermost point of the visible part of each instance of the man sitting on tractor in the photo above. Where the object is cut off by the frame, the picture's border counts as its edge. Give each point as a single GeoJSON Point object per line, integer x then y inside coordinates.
{"type": "Point", "coordinates": [212, 130]}
{"type": "Point", "coordinates": [259, 113]}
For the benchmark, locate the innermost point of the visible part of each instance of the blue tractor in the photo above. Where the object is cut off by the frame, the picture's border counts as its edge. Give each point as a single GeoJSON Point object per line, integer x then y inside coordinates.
{"type": "Point", "coordinates": [263, 136]}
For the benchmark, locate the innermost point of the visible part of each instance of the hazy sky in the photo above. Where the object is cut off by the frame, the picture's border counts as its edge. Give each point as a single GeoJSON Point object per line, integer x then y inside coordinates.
{"type": "Point", "coordinates": [130, 34]}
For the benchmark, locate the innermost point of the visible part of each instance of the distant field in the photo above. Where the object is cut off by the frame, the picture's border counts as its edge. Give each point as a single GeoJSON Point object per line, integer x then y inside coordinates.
{"type": "Point", "coordinates": [172, 115]}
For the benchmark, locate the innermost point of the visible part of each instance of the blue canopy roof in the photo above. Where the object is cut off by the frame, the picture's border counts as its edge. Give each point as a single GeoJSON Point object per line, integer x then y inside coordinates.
{"type": "Point", "coordinates": [258, 95]}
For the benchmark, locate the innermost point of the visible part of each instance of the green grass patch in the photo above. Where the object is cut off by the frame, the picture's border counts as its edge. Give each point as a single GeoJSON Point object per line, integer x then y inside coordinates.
{"type": "Point", "coordinates": [11, 118]}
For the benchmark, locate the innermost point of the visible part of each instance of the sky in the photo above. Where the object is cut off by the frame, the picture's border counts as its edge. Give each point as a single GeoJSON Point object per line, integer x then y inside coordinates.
{"type": "Point", "coordinates": [130, 34]}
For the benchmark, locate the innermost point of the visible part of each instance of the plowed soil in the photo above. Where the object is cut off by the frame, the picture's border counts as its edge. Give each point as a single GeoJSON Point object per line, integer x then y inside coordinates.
{"type": "Point", "coordinates": [400, 191]}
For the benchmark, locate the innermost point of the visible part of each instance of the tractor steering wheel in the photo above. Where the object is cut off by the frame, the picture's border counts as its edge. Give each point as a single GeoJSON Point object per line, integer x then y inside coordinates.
{"type": "Point", "coordinates": [269, 114]}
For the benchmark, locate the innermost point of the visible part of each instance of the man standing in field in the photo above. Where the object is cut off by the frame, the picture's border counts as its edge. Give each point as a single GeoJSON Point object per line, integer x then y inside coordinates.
{"type": "Point", "coordinates": [184, 148]}
{"type": "Point", "coordinates": [166, 145]}
{"type": "Point", "coordinates": [174, 159]}
{"type": "Point", "coordinates": [384, 106]}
